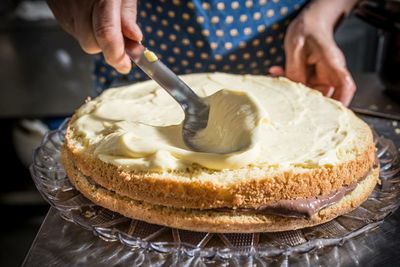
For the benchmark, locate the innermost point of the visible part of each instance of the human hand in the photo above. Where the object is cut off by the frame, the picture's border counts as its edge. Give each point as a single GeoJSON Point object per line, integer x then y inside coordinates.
{"type": "Point", "coordinates": [100, 26]}
{"type": "Point", "coordinates": [312, 56]}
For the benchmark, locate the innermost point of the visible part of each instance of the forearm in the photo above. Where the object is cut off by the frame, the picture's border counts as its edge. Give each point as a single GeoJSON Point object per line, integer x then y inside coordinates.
{"type": "Point", "coordinates": [328, 12]}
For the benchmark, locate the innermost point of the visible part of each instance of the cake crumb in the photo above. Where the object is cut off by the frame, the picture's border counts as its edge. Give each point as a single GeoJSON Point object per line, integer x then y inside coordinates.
{"type": "Point", "coordinates": [89, 214]}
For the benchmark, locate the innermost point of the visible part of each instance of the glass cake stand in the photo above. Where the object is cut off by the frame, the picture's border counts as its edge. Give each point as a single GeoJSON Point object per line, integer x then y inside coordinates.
{"type": "Point", "coordinates": [197, 247]}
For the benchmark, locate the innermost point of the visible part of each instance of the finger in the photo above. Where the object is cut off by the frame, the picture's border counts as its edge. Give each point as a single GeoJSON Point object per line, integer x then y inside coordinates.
{"type": "Point", "coordinates": [276, 71]}
{"type": "Point", "coordinates": [295, 60]}
{"type": "Point", "coordinates": [345, 87]}
{"type": "Point", "coordinates": [84, 29]}
{"type": "Point", "coordinates": [107, 30]}
{"type": "Point", "coordinates": [78, 25]}
{"type": "Point", "coordinates": [88, 42]}
{"type": "Point", "coordinates": [128, 20]}
{"type": "Point", "coordinates": [67, 23]}
{"type": "Point", "coordinates": [325, 88]}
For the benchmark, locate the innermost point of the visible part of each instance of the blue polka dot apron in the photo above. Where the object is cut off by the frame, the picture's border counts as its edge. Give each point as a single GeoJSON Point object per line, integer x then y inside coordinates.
{"type": "Point", "coordinates": [209, 35]}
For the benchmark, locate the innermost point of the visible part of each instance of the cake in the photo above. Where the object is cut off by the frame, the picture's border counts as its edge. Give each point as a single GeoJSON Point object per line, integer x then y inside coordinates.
{"type": "Point", "coordinates": [309, 158]}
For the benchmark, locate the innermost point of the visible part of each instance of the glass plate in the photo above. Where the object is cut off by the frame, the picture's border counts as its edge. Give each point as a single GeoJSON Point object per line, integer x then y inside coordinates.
{"type": "Point", "coordinates": [50, 179]}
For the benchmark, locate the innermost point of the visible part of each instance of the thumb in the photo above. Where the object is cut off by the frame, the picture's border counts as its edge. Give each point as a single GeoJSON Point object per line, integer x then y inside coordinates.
{"type": "Point", "coordinates": [128, 20]}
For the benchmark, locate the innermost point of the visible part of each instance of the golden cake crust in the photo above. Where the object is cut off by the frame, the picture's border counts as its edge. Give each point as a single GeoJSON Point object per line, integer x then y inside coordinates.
{"type": "Point", "coordinates": [168, 189]}
{"type": "Point", "coordinates": [214, 221]}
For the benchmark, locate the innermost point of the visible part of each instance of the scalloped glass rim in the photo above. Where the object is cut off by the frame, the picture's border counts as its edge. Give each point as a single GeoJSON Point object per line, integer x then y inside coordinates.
{"type": "Point", "coordinates": [51, 181]}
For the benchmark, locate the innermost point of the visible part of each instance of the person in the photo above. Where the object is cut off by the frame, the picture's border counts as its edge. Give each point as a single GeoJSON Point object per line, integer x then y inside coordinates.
{"type": "Point", "coordinates": [294, 38]}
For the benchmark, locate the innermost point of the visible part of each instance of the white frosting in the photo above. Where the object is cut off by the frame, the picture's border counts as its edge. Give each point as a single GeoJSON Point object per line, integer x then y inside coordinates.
{"type": "Point", "coordinates": [282, 124]}
{"type": "Point", "coordinates": [234, 123]}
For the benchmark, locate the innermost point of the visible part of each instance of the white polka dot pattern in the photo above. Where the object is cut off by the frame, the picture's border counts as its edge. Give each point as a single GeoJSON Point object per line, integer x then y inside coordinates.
{"type": "Point", "coordinates": [243, 36]}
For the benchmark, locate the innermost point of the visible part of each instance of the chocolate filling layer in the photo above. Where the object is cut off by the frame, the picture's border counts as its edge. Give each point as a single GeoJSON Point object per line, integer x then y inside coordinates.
{"type": "Point", "coordinates": [300, 208]}
{"type": "Point", "coordinates": [305, 208]}
{"type": "Point", "coordinates": [297, 208]}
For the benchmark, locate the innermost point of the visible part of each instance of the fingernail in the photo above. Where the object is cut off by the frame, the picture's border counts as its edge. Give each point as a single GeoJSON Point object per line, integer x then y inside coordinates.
{"type": "Point", "coordinates": [330, 91]}
{"type": "Point", "coordinates": [138, 32]}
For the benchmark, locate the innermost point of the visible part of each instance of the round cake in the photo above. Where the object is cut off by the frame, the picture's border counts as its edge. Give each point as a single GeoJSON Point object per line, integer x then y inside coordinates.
{"type": "Point", "coordinates": [301, 159]}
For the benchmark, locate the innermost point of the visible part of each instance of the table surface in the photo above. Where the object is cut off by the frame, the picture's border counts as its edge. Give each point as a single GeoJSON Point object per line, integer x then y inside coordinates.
{"type": "Point", "coordinates": [372, 99]}
{"type": "Point", "coordinates": [61, 243]}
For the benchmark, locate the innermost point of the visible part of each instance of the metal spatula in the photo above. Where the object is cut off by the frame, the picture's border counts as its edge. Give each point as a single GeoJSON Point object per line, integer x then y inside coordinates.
{"type": "Point", "coordinates": [195, 108]}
